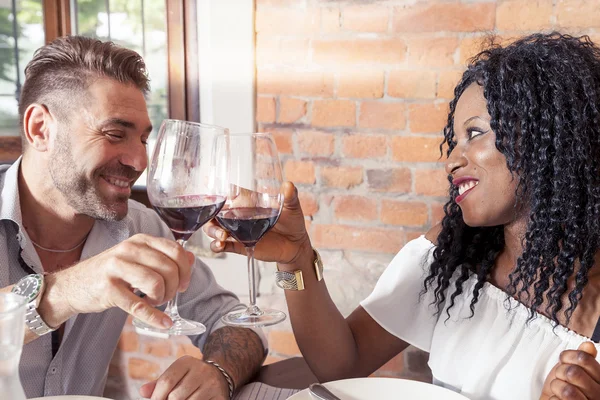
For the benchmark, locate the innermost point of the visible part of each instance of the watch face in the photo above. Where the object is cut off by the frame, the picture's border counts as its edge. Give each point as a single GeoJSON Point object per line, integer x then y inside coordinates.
{"type": "Point", "coordinates": [28, 287]}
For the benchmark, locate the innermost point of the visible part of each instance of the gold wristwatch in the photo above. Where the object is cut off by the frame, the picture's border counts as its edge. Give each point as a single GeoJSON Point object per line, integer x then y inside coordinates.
{"type": "Point", "coordinates": [294, 280]}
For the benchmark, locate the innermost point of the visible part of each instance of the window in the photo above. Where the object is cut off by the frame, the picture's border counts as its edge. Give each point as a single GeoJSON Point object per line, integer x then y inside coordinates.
{"type": "Point", "coordinates": [163, 32]}
{"type": "Point", "coordinates": [140, 25]}
{"type": "Point", "coordinates": [21, 33]}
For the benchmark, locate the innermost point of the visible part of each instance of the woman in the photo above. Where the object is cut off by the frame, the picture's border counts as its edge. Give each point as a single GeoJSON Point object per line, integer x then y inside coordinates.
{"type": "Point", "coordinates": [506, 289]}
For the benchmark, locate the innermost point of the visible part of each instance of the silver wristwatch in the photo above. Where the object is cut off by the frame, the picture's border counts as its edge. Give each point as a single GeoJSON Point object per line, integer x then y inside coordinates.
{"type": "Point", "coordinates": [32, 287]}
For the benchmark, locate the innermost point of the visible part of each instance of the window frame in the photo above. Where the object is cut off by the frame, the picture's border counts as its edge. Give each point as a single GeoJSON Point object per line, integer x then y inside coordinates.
{"type": "Point", "coordinates": [182, 59]}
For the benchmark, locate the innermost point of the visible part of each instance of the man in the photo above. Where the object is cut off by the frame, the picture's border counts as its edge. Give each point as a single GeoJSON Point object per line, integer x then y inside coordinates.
{"type": "Point", "coordinates": [66, 216]}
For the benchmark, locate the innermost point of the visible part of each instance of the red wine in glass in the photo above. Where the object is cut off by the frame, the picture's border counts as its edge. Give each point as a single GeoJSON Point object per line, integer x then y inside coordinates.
{"type": "Point", "coordinates": [247, 225]}
{"type": "Point", "coordinates": [254, 203]}
{"type": "Point", "coordinates": [184, 215]}
{"type": "Point", "coordinates": [187, 186]}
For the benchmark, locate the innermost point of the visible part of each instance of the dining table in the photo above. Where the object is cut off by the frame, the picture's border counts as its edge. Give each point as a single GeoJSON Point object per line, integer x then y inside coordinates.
{"type": "Point", "coordinates": [289, 378]}
{"type": "Point", "coordinates": [278, 381]}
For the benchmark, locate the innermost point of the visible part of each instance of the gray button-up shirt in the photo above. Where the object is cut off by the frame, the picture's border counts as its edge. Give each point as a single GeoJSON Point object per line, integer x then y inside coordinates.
{"type": "Point", "coordinates": [81, 364]}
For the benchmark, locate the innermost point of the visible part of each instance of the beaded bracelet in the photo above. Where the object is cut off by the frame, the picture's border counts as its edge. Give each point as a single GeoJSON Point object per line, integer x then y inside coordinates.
{"type": "Point", "coordinates": [225, 374]}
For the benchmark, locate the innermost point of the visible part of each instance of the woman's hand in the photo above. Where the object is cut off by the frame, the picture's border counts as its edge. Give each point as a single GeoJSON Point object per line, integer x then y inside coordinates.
{"type": "Point", "coordinates": [575, 377]}
{"type": "Point", "coordinates": [283, 244]}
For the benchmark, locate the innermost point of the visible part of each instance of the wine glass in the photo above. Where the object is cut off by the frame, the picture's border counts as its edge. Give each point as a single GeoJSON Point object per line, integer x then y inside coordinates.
{"type": "Point", "coordinates": [187, 187]}
{"type": "Point", "coordinates": [253, 205]}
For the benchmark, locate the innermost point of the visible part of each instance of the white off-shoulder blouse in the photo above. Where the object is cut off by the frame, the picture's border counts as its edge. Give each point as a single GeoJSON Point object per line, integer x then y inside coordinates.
{"type": "Point", "coordinates": [494, 355]}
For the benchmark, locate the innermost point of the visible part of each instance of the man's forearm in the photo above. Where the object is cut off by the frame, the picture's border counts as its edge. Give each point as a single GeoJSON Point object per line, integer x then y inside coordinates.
{"type": "Point", "coordinates": [239, 351]}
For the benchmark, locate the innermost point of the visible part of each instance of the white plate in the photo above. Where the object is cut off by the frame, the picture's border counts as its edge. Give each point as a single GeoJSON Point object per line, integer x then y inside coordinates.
{"type": "Point", "coordinates": [383, 389]}
{"type": "Point", "coordinates": [71, 398]}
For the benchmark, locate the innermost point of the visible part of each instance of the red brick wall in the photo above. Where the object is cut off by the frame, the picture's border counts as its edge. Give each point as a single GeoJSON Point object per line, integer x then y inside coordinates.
{"type": "Point", "coordinates": [356, 95]}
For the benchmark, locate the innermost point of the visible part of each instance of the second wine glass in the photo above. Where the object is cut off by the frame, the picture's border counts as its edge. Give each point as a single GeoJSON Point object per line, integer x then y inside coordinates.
{"type": "Point", "coordinates": [253, 206]}
{"type": "Point", "coordinates": [187, 187]}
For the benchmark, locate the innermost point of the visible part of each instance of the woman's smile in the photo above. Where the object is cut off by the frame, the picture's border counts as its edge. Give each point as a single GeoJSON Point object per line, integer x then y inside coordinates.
{"type": "Point", "coordinates": [465, 185]}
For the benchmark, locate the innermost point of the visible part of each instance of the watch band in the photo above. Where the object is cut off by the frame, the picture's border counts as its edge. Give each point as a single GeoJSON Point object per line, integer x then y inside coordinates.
{"type": "Point", "coordinates": [289, 280]}
{"type": "Point", "coordinates": [34, 321]}
{"type": "Point", "coordinates": [295, 280]}
{"type": "Point", "coordinates": [318, 264]}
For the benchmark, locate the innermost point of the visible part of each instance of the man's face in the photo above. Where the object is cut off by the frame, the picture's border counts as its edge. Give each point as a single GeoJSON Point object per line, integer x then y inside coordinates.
{"type": "Point", "coordinates": [101, 150]}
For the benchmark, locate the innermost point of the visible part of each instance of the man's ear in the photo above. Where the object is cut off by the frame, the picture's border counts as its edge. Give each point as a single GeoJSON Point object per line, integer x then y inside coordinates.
{"type": "Point", "coordinates": [37, 126]}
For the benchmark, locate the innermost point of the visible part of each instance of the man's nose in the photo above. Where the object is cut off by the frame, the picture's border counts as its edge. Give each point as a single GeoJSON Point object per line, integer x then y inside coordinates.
{"type": "Point", "coordinates": [136, 157]}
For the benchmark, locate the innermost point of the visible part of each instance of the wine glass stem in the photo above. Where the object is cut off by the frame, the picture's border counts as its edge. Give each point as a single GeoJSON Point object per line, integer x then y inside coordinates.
{"type": "Point", "coordinates": [252, 279]}
{"type": "Point", "coordinates": [171, 308]}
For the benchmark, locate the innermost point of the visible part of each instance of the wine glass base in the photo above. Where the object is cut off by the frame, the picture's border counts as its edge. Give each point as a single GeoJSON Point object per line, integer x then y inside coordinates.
{"type": "Point", "coordinates": [264, 317]}
{"type": "Point", "coordinates": [180, 327]}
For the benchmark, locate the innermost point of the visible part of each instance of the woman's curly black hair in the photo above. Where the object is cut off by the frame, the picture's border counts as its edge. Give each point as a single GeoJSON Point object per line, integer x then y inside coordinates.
{"type": "Point", "coordinates": [543, 96]}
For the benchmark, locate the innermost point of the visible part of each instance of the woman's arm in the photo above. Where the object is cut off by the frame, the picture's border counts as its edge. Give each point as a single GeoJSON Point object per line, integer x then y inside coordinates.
{"type": "Point", "coordinates": [334, 347]}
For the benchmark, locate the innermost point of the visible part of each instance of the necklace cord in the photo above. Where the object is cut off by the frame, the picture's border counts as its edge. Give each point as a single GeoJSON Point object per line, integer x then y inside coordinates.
{"type": "Point", "coordinates": [58, 250]}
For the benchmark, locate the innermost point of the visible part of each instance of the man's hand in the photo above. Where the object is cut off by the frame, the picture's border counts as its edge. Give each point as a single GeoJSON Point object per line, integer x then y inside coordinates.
{"type": "Point", "coordinates": [575, 377]}
{"type": "Point", "coordinates": [188, 378]}
{"type": "Point", "coordinates": [284, 243]}
{"type": "Point", "coordinates": [158, 267]}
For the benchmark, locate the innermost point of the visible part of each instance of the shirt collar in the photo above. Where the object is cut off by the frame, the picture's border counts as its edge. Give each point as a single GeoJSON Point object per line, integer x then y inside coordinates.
{"type": "Point", "coordinates": [10, 204]}
{"type": "Point", "coordinates": [112, 232]}
{"type": "Point", "coordinates": [10, 210]}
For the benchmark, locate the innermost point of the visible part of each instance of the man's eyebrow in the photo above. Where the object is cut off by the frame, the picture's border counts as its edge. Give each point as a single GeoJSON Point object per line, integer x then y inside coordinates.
{"type": "Point", "coordinates": [124, 123]}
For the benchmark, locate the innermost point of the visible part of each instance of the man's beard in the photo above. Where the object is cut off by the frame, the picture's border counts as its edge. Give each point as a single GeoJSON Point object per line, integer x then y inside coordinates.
{"type": "Point", "coordinates": [83, 194]}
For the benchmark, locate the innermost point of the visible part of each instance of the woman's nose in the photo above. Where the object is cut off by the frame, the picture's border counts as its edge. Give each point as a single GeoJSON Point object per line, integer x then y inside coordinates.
{"type": "Point", "coordinates": [456, 160]}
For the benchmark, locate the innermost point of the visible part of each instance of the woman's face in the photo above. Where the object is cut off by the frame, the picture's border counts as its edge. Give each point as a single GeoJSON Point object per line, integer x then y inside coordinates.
{"type": "Point", "coordinates": [485, 185]}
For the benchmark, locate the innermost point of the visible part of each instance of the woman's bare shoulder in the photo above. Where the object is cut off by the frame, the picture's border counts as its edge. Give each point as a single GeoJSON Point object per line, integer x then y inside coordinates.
{"type": "Point", "coordinates": [433, 233]}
